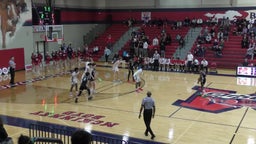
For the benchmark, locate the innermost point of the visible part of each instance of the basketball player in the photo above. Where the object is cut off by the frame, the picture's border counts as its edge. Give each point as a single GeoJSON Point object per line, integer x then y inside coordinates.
{"type": "Point", "coordinates": [130, 69]}
{"type": "Point", "coordinates": [83, 86]}
{"type": "Point", "coordinates": [137, 79]}
{"type": "Point", "coordinates": [74, 81]}
{"type": "Point", "coordinates": [92, 72]}
{"type": "Point", "coordinates": [162, 63]}
{"type": "Point", "coordinates": [116, 69]}
{"type": "Point", "coordinates": [202, 79]}
{"type": "Point", "coordinates": [87, 67]}
{"type": "Point", "coordinates": [167, 64]}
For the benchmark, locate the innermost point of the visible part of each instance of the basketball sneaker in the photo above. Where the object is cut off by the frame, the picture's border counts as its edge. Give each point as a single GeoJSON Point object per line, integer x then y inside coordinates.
{"type": "Point", "coordinates": [76, 100]}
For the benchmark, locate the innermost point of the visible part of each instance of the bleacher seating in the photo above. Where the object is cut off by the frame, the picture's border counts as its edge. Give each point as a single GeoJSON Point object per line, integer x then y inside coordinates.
{"type": "Point", "coordinates": [47, 134]}
{"type": "Point", "coordinates": [154, 31]}
{"type": "Point", "coordinates": [232, 53]}
{"type": "Point", "coordinates": [116, 31]}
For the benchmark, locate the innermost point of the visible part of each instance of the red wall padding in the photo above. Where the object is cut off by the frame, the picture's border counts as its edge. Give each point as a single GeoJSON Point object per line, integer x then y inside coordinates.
{"type": "Point", "coordinates": [18, 54]}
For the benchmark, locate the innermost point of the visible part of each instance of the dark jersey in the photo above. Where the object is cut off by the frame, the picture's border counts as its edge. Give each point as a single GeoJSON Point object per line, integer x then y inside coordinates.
{"type": "Point", "coordinates": [202, 77]}
{"type": "Point", "coordinates": [84, 82]}
{"type": "Point", "coordinates": [92, 75]}
{"type": "Point", "coordinates": [131, 65]}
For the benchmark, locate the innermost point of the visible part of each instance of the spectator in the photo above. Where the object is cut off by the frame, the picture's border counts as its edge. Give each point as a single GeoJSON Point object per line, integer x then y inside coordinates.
{"type": "Point", "coordinates": [155, 42]}
{"type": "Point", "coordinates": [200, 39]}
{"type": "Point", "coordinates": [109, 41]}
{"type": "Point", "coordinates": [187, 21]}
{"type": "Point", "coordinates": [215, 45]}
{"type": "Point", "coordinates": [145, 49]}
{"type": "Point", "coordinates": [220, 35]}
{"type": "Point", "coordinates": [225, 34]}
{"type": "Point", "coordinates": [24, 140]}
{"type": "Point", "coordinates": [181, 42]}
{"type": "Point", "coordinates": [208, 38]}
{"type": "Point", "coordinates": [81, 137]}
{"type": "Point", "coordinates": [245, 30]}
{"type": "Point", "coordinates": [245, 42]}
{"type": "Point", "coordinates": [190, 59]}
{"type": "Point", "coordinates": [95, 50]}
{"type": "Point", "coordinates": [199, 22]}
{"type": "Point", "coordinates": [168, 39]}
{"type": "Point", "coordinates": [193, 22]}
{"type": "Point", "coordinates": [107, 52]}
{"type": "Point", "coordinates": [245, 62]}
{"type": "Point", "coordinates": [206, 31]}
{"type": "Point", "coordinates": [3, 135]}
{"type": "Point", "coordinates": [196, 65]}
{"type": "Point", "coordinates": [219, 51]}
{"type": "Point", "coordinates": [162, 49]}
{"type": "Point", "coordinates": [178, 36]}
{"type": "Point", "coordinates": [212, 31]}
{"type": "Point", "coordinates": [250, 52]}
{"type": "Point", "coordinates": [204, 65]}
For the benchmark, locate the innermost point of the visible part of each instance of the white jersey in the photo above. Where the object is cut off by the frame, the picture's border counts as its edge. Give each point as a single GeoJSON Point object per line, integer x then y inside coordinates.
{"type": "Point", "coordinates": [137, 74]}
{"type": "Point", "coordinates": [162, 61]}
{"type": "Point", "coordinates": [116, 64]}
{"type": "Point", "coordinates": [146, 60]}
{"type": "Point", "coordinates": [74, 79]}
{"type": "Point", "coordinates": [151, 60]}
{"type": "Point", "coordinates": [168, 61]}
{"type": "Point", "coordinates": [87, 67]}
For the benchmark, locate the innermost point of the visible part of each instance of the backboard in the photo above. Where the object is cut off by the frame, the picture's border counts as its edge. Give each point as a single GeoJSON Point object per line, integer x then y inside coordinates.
{"type": "Point", "coordinates": [54, 33]}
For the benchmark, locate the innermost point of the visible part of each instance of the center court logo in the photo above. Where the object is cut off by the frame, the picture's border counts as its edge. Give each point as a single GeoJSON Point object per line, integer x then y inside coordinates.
{"type": "Point", "coordinates": [217, 100]}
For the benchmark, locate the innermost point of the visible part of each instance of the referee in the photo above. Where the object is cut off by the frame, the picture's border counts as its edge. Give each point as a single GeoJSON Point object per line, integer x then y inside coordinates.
{"type": "Point", "coordinates": [148, 104]}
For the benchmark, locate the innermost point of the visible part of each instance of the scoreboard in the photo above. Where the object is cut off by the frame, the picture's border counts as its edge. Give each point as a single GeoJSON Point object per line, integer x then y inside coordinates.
{"type": "Point", "coordinates": [46, 15]}
{"type": "Point", "coordinates": [246, 71]}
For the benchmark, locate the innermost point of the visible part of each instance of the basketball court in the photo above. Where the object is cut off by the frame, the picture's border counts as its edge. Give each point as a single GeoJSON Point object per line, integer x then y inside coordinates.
{"type": "Point", "coordinates": [223, 114]}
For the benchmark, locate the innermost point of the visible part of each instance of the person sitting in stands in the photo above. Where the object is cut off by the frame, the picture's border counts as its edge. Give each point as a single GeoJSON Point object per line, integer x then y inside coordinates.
{"type": "Point", "coordinates": [95, 49]}
{"type": "Point", "coordinates": [215, 45]}
{"type": "Point", "coordinates": [251, 51]}
{"type": "Point", "coordinates": [199, 22]}
{"type": "Point", "coordinates": [187, 21]}
{"type": "Point", "coordinates": [245, 62]}
{"type": "Point", "coordinates": [208, 38]}
{"type": "Point", "coordinates": [245, 42]}
{"type": "Point", "coordinates": [178, 36]}
{"type": "Point", "coordinates": [81, 137]}
{"type": "Point", "coordinates": [200, 39]}
{"type": "Point", "coordinates": [24, 140]}
{"type": "Point", "coordinates": [204, 65]}
{"type": "Point", "coordinates": [181, 42]}
{"type": "Point", "coordinates": [4, 139]}
{"type": "Point", "coordinates": [196, 65]}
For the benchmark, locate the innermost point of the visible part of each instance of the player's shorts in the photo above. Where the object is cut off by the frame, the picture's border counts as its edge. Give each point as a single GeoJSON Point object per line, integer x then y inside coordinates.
{"type": "Point", "coordinates": [73, 82]}
{"type": "Point", "coordinates": [137, 79]}
{"type": "Point", "coordinates": [115, 69]}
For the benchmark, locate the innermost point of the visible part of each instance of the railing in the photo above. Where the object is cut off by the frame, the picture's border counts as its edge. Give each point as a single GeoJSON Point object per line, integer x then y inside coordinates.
{"type": "Point", "coordinates": [45, 134]}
